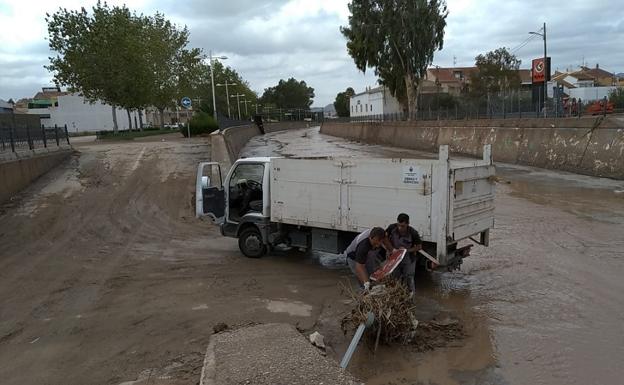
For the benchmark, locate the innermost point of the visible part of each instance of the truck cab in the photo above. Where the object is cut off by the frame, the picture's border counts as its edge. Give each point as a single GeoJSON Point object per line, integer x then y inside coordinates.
{"type": "Point", "coordinates": [240, 204]}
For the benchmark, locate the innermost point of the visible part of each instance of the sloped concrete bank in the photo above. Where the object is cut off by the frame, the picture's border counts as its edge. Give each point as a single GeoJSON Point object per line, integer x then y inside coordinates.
{"type": "Point", "coordinates": [19, 169]}
{"type": "Point", "coordinates": [227, 143]}
{"type": "Point", "coordinates": [591, 146]}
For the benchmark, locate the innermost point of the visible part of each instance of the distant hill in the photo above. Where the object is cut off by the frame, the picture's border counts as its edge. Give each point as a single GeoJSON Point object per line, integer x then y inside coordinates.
{"type": "Point", "coordinates": [620, 75]}
{"type": "Point", "coordinates": [330, 108]}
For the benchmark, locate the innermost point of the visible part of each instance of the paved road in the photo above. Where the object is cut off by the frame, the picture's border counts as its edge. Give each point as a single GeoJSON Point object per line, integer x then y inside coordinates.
{"type": "Point", "coordinates": [542, 305]}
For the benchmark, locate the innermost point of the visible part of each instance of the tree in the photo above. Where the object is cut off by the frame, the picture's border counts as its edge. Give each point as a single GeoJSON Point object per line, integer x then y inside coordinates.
{"type": "Point", "coordinates": [92, 51]}
{"type": "Point", "coordinates": [616, 96]}
{"type": "Point", "coordinates": [172, 66]}
{"type": "Point", "coordinates": [202, 90]}
{"type": "Point", "coordinates": [497, 72]}
{"type": "Point", "coordinates": [120, 58]}
{"type": "Point", "coordinates": [341, 104]}
{"type": "Point", "coordinates": [398, 38]}
{"type": "Point", "coordinates": [289, 93]}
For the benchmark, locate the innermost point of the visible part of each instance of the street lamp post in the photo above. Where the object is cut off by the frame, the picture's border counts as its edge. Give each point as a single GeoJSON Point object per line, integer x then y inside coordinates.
{"type": "Point", "coordinates": [237, 96]}
{"type": "Point", "coordinates": [212, 84]}
{"type": "Point", "coordinates": [227, 94]}
{"type": "Point", "coordinates": [543, 35]}
{"type": "Point", "coordinates": [246, 101]}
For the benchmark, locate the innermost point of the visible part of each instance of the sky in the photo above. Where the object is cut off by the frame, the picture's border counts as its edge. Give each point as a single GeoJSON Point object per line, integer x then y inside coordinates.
{"type": "Point", "coordinates": [266, 41]}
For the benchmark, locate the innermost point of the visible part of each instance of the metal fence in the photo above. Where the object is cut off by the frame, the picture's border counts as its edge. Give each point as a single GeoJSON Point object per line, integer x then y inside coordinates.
{"type": "Point", "coordinates": [19, 138]}
{"type": "Point", "coordinates": [471, 111]}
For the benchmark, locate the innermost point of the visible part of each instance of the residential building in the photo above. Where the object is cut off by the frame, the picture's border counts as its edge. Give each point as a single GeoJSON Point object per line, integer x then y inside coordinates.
{"type": "Point", "coordinates": [456, 80]}
{"type": "Point", "coordinates": [6, 107]}
{"type": "Point", "coordinates": [452, 81]}
{"type": "Point", "coordinates": [587, 84]}
{"type": "Point", "coordinates": [374, 101]}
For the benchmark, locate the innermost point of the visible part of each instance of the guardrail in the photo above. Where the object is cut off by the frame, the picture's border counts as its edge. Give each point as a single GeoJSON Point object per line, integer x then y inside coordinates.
{"type": "Point", "coordinates": [15, 139]}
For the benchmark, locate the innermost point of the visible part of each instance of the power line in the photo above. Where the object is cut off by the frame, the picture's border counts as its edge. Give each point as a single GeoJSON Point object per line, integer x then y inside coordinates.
{"type": "Point", "coordinates": [525, 42]}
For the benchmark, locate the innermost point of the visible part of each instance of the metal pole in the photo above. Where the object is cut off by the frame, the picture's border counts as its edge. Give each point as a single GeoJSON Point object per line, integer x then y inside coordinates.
{"type": "Point", "coordinates": [30, 141]}
{"type": "Point", "coordinates": [545, 72]}
{"type": "Point", "coordinates": [56, 135]}
{"type": "Point", "coordinates": [45, 142]}
{"type": "Point", "coordinates": [214, 101]}
{"type": "Point", "coordinates": [227, 95]}
{"type": "Point", "coordinates": [356, 339]}
{"type": "Point", "coordinates": [12, 138]}
{"type": "Point", "coordinates": [238, 102]}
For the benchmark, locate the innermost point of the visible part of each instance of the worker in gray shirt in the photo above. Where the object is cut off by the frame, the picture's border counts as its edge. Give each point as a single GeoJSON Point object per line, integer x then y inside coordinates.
{"type": "Point", "coordinates": [401, 235]}
{"type": "Point", "coordinates": [365, 254]}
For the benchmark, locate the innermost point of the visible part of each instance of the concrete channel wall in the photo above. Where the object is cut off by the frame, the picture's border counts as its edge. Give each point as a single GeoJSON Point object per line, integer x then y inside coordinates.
{"type": "Point", "coordinates": [228, 143]}
{"type": "Point", "coordinates": [591, 146]}
{"type": "Point", "coordinates": [19, 169]}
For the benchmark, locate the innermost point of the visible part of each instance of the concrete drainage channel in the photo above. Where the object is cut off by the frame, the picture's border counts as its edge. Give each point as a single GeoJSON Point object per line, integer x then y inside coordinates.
{"type": "Point", "coordinates": [269, 353]}
{"type": "Point", "coordinates": [19, 169]}
{"type": "Point", "coordinates": [228, 143]}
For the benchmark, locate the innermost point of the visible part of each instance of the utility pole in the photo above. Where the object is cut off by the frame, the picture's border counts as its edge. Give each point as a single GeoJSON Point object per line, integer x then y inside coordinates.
{"type": "Point", "coordinates": [546, 69]}
{"type": "Point", "coordinates": [227, 94]}
{"type": "Point", "coordinates": [546, 72]}
{"type": "Point", "coordinates": [246, 101]}
{"type": "Point", "coordinates": [237, 96]}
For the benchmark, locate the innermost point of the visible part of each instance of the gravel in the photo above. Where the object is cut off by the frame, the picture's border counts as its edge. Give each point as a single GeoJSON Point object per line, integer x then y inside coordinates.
{"type": "Point", "coordinates": [271, 354]}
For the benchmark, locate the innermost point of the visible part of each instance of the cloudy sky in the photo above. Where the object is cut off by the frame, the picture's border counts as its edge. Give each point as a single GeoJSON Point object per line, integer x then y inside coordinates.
{"type": "Point", "coordinates": [273, 39]}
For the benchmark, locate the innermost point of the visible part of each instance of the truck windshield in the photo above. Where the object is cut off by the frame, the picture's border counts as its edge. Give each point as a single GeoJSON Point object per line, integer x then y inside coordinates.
{"type": "Point", "coordinates": [245, 190]}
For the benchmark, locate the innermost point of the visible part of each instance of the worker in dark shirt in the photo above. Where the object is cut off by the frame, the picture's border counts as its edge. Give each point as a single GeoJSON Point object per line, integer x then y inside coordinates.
{"type": "Point", "coordinates": [365, 254]}
{"type": "Point", "coordinates": [401, 235]}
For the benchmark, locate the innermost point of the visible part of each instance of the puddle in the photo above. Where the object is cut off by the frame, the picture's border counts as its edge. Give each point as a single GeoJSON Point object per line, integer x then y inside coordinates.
{"type": "Point", "coordinates": [294, 308]}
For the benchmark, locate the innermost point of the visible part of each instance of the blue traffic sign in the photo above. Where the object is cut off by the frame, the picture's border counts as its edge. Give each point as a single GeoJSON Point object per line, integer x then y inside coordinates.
{"type": "Point", "coordinates": [186, 102]}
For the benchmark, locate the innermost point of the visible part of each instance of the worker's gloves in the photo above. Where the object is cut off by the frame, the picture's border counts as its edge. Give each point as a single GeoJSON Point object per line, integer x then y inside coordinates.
{"type": "Point", "coordinates": [367, 286]}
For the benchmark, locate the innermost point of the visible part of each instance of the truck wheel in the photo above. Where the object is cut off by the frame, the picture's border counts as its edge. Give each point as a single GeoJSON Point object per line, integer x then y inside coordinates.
{"type": "Point", "coordinates": [250, 243]}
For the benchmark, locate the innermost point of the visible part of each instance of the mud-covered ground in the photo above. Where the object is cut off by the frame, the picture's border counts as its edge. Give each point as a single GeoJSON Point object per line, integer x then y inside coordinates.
{"type": "Point", "coordinates": [106, 277]}
{"type": "Point", "coordinates": [542, 305]}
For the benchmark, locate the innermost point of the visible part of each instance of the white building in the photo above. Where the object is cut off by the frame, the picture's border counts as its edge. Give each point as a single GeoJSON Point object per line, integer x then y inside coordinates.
{"type": "Point", "coordinates": [374, 101]}
{"type": "Point", "coordinates": [585, 84]}
{"type": "Point", "coordinates": [81, 116]}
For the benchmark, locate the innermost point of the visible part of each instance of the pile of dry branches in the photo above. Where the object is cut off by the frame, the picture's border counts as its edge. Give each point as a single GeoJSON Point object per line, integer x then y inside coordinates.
{"type": "Point", "coordinates": [392, 306]}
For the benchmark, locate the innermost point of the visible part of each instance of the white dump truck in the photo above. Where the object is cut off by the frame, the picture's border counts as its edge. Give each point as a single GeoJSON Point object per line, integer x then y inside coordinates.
{"type": "Point", "coordinates": [323, 203]}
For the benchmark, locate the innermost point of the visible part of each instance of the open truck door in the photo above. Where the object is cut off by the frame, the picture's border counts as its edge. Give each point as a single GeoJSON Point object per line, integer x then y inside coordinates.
{"type": "Point", "coordinates": [209, 192]}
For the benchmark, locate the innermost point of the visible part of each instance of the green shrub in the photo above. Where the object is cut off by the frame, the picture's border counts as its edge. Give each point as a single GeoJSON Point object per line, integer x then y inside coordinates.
{"type": "Point", "coordinates": [201, 123]}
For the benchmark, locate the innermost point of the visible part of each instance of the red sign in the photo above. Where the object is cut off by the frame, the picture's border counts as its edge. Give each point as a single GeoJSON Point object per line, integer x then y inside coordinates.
{"type": "Point", "coordinates": [388, 267]}
{"type": "Point", "coordinates": [540, 71]}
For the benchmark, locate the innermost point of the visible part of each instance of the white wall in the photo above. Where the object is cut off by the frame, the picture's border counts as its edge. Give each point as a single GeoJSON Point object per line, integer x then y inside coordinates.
{"type": "Point", "coordinates": [81, 116]}
{"type": "Point", "coordinates": [590, 93]}
{"type": "Point", "coordinates": [377, 102]}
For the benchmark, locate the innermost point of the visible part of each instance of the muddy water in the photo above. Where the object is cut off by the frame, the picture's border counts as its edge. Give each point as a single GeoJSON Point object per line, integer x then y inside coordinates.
{"type": "Point", "coordinates": [542, 305]}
